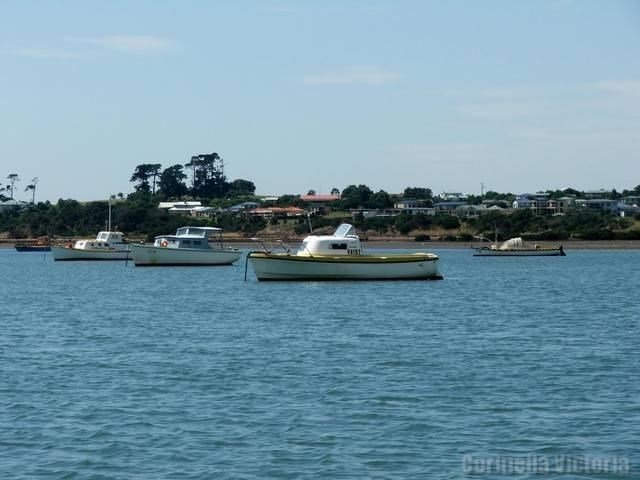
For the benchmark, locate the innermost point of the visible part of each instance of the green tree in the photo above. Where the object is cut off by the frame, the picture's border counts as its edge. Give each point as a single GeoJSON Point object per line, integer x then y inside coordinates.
{"type": "Point", "coordinates": [572, 191]}
{"type": "Point", "coordinates": [32, 187]}
{"type": "Point", "coordinates": [154, 173]}
{"type": "Point", "coordinates": [13, 179]}
{"type": "Point", "coordinates": [241, 187]}
{"type": "Point", "coordinates": [172, 182]}
{"type": "Point", "coordinates": [208, 178]}
{"type": "Point", "coordinates": [141, 175]}
{"type": "Point", "coordinates": [448, 222]}
{"type": "Point", "coordinates": [380, 199]}
{"type": "Point", "coordinates": [418, 193]}
{"type": "Point", "coordinates": [356, 196]}
{"type": "Point", "coordinates": [193, 165]}
{"type": "Point", "coordinates": [335, 191]}
{"type": "Point", "coordinates": [290, 200]}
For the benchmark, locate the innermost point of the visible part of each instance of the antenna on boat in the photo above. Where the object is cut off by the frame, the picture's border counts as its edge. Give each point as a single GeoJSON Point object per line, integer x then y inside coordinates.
{"type": "Point", "coordinates": [109, 228]}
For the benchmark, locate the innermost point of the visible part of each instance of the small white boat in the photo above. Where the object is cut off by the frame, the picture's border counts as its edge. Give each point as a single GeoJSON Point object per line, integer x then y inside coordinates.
{"type": "Point", "coordinates": [340, 257]}
{"type": "Point", "coordinates": [107, 245]}
{"type": "Point", "coordinates": [516, 247]}
{"type": "Point", "coordinates": [189, 246]}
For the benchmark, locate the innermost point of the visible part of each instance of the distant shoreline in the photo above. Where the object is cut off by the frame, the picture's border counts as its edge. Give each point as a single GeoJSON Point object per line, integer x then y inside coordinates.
{"type": "Point", "coordinates": [410, 244]}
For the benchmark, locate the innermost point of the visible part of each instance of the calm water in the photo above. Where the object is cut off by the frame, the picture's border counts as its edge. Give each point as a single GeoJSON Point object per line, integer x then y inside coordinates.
{"type": "Point", "coordinates": [110, 371]}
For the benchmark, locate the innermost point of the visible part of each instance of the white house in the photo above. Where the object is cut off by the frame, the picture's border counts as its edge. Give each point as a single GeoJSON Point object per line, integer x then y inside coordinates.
{"type": "Point", "coordinates": [12, 204]}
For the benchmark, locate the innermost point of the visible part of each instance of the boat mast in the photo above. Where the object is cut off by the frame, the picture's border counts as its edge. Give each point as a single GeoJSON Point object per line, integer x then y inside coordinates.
{"type": "Point", "coordinates": [309, 218]}
{"type": "Point", "coordinates": [109, 227]}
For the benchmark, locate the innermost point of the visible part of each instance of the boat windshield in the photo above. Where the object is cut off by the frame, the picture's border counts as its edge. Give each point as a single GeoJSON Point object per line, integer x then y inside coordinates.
{"type": "Point", "coordinates": [345, 230]}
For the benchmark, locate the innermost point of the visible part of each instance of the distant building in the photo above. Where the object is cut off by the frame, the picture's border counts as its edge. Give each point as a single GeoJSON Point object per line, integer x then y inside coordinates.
{"type": "Point", "coordinates": [471, 211]}
{"type": "Point", "coordinates": [185, 205]}
{"type": "Point", "coordinates": [626, 210]}
{"type": "Point", "coordinates": [448, 207]}
{"type": "Point", "coordinates": [598, 194]}
{"type": "Point", "coordinates": [564, 204]}
{"type": "Point", "coordinates": [319, 198]}
{"type": "Point", "coordinates": [538, 203]}
{"type": "Point", "coordinates": [276, 212]}
{"type": "Point", "coordinates": [414, 207]}
{"type": "Point", "coordinates": [179, 208]}
{"type": "Point", "coordinates": [207, 212]}
{"type": "Point", "coordinates": [364, 213]}
{"type": "Point", "coordinates": [243, 207]}
{"type": "Point", "coordinates": [12, 204]}
{"type": "Point", "coordinates": [318, 203]}
{"type": "Point", "coordinates": [631, 200]}
{"type": "Point", "coordinates": [453, 197]}
{"type": "Point", "coordinates": [522, 201]}
{"type": "Point", "coordinates": [598, 204]}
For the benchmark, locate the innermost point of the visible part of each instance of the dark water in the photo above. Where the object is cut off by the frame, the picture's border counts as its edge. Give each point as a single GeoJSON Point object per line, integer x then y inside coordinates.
{"type": "Point", "coordinates": [110, 371]}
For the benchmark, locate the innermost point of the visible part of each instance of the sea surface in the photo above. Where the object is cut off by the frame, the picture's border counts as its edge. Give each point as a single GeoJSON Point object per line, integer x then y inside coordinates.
{"type": "Point", "coordinates": [108, 371]}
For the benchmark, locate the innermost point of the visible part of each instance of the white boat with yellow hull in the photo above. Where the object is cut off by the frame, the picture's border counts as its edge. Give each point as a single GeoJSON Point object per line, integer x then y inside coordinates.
{"type": "Point", "coordinates": [516, 247]}
{"type": "Point", "coordinates": [188, 247]}
{"type": "Point", "coordinates": [340, 257]}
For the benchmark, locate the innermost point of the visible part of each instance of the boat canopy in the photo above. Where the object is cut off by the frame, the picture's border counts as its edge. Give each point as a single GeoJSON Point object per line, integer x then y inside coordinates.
{"type": "Point", "coordinates": [343, 242]}
{"type": "Point", "coordinates": [345, 230]}
{"type": "Point", "coordinates": [513, 244]}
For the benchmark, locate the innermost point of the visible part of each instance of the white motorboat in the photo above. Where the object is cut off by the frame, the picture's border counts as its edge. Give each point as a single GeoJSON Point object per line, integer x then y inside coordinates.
{"type": "Point", "coordinates": [340, 257]}
{"type": "Point", "coordinates": [189, 246]}
{"type": "Point", "coordinates": [107, 245]}
{"type": "Point", "coordinates": [516, 247]}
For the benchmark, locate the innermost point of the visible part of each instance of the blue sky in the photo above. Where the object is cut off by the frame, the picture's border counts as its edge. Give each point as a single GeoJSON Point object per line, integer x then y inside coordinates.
{"type": "Point", "coordinates": [295, 95]}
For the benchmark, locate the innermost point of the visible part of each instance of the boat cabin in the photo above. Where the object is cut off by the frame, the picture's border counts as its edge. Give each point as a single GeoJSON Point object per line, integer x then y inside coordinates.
{"type": "Point", "coordinates": [103, 240]}
{"type": "Point", "coordinates": [343, 242]}
{"type": "Point", "coordinates": [189, 237]}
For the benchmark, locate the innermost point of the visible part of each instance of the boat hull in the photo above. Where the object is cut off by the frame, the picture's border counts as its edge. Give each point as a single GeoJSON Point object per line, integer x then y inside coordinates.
{"type": "Point", "coordinates": [268, 266]}
{"type": "Point", "coordinates": [71, 254]}
{"type": "Point", "coordinates": [33, 248]}
{"type": "Point", "coordinates": [150, 256]}
{"type": "Point", "coordinates": [542, 252]}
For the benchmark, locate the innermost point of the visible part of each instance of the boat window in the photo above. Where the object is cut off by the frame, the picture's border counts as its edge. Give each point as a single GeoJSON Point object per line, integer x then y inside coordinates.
{"type": "Point", "coordinates": [186, 242]}
{"type": "Point", "coordinates": [338, 246]}
{"type": "Point", "coordinates": [197, 242]}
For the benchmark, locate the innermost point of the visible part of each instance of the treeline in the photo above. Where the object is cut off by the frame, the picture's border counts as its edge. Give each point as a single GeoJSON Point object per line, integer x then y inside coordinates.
{"type": "Point", "coordinates": [8, 190]}
{"type": "Point", "coordinates": [579, 225]}
{"type": "Point", "coordinates": [202, 177]}
{"type": "Point", "coordinates": [138, 217]}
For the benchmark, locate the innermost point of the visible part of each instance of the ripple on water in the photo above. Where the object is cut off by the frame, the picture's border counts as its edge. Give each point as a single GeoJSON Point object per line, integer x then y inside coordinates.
{"type": "Point", "coordinates": [117, 372]}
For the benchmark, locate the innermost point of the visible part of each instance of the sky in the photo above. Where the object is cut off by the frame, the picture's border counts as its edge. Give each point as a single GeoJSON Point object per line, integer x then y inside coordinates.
{"type": "Point", "coordinates": [519, 96]}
